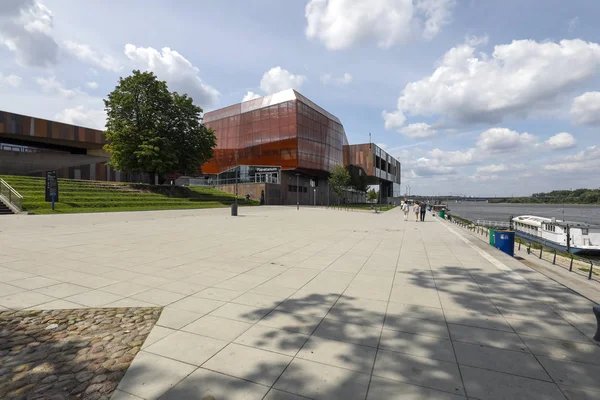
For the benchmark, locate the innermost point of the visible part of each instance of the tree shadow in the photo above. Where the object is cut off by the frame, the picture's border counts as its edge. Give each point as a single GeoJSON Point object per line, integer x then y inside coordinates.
{"type": "Point", "coordinates": [334, 346]}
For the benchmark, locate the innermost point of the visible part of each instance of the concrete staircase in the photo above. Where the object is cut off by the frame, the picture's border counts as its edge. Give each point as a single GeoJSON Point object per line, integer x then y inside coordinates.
{"type": "Point", "coordinates": [4, 210]}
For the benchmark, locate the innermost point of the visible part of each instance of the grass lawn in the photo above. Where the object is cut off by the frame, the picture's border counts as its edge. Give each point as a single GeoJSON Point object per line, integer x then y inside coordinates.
{"type": "Point", "coordinates": [77, 196]}
{"type": "Point", "coordinates": [365, 206]}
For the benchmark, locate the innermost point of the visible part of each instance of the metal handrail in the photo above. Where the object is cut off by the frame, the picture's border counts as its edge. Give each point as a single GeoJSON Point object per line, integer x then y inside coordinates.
{"type": "Point", "coordinates": [11, 195]}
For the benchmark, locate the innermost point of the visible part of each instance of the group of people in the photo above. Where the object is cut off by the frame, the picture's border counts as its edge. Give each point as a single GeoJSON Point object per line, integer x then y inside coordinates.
{"type": "Point", "coordinates": [418, 208]}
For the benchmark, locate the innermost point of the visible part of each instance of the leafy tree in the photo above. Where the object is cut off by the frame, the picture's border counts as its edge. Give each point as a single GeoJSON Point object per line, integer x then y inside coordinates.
{"type": "Point", "coordinates": [358, 178]}
{"type": "Point", "coordinates": [339, 180]}
{"type": "Point", "coordinates": [372, 195]}
{"type": "Point", "coordinates": [150, 129]}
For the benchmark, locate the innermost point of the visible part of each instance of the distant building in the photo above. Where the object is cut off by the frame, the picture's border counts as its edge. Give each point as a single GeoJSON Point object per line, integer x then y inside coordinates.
{"type": "Point", "coordinates": [280, 148]}
{"type": "Point", "coordinates": [286, 146]}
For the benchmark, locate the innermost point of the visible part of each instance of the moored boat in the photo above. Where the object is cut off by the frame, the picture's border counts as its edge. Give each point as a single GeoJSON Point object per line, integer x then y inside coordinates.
{"type": "Point", "coordinates": [569, 236]}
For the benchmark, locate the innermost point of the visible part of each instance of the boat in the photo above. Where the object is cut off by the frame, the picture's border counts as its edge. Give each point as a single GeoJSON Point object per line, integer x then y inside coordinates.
{"type": "Point", "coordinates": [572, 237]}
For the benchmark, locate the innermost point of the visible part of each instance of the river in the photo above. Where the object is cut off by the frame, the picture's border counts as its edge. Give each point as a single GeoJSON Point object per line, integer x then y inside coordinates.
{"type": "Point", "coordinates": [502, 212]}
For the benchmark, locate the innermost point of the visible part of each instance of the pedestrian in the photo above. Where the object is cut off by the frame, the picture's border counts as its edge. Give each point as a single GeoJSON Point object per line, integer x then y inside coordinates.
{"type": "Point", "coordinates": [405, 210]}
{"type": "Point", "coordinates": [416, 211]}
{"type": "Point", "coordinates": [423, 210]}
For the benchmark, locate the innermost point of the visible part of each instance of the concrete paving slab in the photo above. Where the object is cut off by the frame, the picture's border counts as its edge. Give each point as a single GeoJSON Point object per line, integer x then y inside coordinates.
{"type": "Point", "coordinates": [484, 384]}
{"type": "Point", "coordinates": [320, 381]}
{"type": "Point", "coordinates": [422, 371]}
{"type": "Point", "coordinates": [276, 340]}
{"type": "Point", "coordinates": [187, 347]}
{"type": "Point", "coordinates": [149, 376]}
{"type": "Point", "coordinates": [386, 389]}
{"type": "Point", "coordinates": [338, 281]}
{"type": "Point", "coordinates": [216, 327]}
{"type": "Point", "coordinates": [204, 384]}
{"type": "Point", "coordinates": [249, 363]}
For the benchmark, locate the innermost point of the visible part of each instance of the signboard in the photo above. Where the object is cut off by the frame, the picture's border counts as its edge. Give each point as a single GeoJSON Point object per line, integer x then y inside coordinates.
{"type": "Point", "coordinates": [267, 169]}
{"type": "Point", "coordinates": [51, 186]}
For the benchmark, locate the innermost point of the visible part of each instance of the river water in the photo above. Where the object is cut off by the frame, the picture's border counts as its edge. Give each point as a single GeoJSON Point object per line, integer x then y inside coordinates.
{"type": "Point", "coordinates": [502, 212]}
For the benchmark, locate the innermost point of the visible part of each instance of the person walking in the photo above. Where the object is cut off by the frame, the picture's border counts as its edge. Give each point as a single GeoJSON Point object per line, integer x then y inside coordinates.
{"type": "Point", "coordinates": [416, 211]}
{"type": "Point", "coordinates": [405, 209]}
{"type": "Point", "coordinates": [423, 210]}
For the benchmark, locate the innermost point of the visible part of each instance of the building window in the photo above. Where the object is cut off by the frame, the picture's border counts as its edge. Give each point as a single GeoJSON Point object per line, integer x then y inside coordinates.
{"type": "Point", "coordinates": [585, 231]}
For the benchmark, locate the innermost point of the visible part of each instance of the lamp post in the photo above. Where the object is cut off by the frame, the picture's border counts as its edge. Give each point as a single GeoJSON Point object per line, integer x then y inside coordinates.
{"type": "Point", "coordinates": [297, 191]}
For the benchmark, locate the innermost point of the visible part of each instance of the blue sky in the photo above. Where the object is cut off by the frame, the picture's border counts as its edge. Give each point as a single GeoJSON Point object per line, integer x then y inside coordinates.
{"type": "Point", "coordinates": [473, 97]}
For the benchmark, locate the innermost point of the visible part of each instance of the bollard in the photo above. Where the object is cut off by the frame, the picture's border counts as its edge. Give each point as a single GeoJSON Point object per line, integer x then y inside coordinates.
{"type": "Point", "coordinates": [529, 248]}
{"type": "Point", "coordinates": [554, 261]}
{"type": "Point", "coordinates": [597, 313]}
{"type": "Point", "coordinates": [541, 250]}
{"type": "Point", "coordinates": [519, 245]}
{"type": "Point", "coordinates": [591, 269]}
{"type": "Point", "coordinates": [571, 266]}
{"type": "Point", "coordinates": [234, 210]}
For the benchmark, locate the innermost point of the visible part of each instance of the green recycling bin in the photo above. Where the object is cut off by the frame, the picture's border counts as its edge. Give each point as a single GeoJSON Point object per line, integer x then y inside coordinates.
{"type": "Point", "coordinates": [442, 214]}
{"type": "Point", "coordinates": [492, 239]}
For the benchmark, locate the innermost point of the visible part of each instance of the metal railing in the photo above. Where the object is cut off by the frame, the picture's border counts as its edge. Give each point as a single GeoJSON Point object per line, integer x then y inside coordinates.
{"type": "Point", "coordinates": [11, 195]}
{"type": "Point", "coordinates": [497, 224]}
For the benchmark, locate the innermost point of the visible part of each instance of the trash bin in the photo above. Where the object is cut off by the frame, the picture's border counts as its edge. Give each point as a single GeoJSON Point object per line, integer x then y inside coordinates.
{"type": "Point", "coordinates": [492, 241]}
{"type": "Point", "coordinates": [442, 214]}
{"type": "Point", "coordinates": [505, 242]}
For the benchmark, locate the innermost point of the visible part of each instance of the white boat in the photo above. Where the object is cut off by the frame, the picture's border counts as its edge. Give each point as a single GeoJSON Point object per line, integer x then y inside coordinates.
{"type": "Point", "coordinates": [572, 237]}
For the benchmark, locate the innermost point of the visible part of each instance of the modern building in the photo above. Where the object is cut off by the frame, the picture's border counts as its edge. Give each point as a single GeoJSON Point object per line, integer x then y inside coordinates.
{"type": "Point", "coordinates": [282, 148]}
{"type": "Point", "coordinates": [32, 146]}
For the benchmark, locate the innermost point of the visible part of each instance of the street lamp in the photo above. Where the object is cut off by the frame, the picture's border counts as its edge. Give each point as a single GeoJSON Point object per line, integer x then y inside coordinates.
{"type": "Point", "coordinates": [297, 191]}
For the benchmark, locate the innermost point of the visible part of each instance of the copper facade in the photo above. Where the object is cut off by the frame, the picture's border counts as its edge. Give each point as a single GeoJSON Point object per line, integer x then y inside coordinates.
{"type": "Point", "coordinates": [30, 129]}
{"type": "Point", "coordinates": [284, 129]}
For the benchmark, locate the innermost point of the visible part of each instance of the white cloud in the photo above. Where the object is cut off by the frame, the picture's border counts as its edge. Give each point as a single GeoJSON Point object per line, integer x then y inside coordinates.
{"type": "Point", "coordinates": [84, 53]}
{"type": "Point", "coordinates": [457, 157]}
{"type": "Point", "coordinates": [82, 116]}
{"type": "Point", "coordinates": [382, 146]}
{"type": "Point", "coordinates": [393, 120]}
{"type": "Point", "coordinates": [26, 29]}
{"type": "Point", "coordinates": [475, 41]}
{"type": "Point", "coordinates": [345, 79]}
{"type": "Point", "coordinates": [426, 167]}
{"type": "Point", "coordinates": [517, 79]}
{"type": "Point", "coordinates": [587, 160]}
{"type": "Point", "coordinates": [573, 23]}
{"type": "Point", "coordinates": [503, 139]}
{"type": "Point", "coordinates": [250, 96]}
{"type": "Point", "coordinates": [492, 169]}
{"type": "Point", "coordinates": [561, 141]}
{"type": "Point", "coordinates": [419, 130]}
{"type": "Point", "coordinates": [176, 70]}
{"type": "Point", "coordinates": [342, 80]}
{"type": "Point", "coordinates": [586, 109]}
{"type": "Point", "coordinates": [10, 80]}
{"type": "Point", "coordinates": [277, 79]}
{"type": "Point", "coordinates": [341, 23]}
{"type": "Point", "coordinates": [51, 86]}
{"type": "Point", "coordinates": [92, 85]}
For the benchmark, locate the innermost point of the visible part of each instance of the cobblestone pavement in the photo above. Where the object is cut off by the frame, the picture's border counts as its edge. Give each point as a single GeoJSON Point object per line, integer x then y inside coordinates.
{"type": "Point", "coordinates": [69, 354]}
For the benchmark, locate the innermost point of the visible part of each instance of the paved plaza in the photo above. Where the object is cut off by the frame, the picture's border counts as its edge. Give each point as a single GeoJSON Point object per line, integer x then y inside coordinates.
{"type": "Point", "coordinates": [280, 304]}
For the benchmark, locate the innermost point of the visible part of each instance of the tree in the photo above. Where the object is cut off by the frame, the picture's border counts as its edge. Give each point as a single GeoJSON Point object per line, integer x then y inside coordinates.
{"type": "Point", "coordinates": [339, 180]}
{"type": "Point", "coordinates": [150, 129]}
{"type": "Point", "coordinates": [372, 195]}
{"type": "Point", "coordinates": [358, 178]}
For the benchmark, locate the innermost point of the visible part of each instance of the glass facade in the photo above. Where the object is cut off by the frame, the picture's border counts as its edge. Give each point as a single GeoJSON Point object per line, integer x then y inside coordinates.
{"type": "Point", "coordinates": [290, 134]}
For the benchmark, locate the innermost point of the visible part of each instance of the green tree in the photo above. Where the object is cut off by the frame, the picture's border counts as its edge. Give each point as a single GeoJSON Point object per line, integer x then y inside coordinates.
{"type": "Point", "coordinates": [372, 195]}
{"type": "Point", "coordinates": [339, 180]}
{"type": "Point", "coordinates": [150, 129]}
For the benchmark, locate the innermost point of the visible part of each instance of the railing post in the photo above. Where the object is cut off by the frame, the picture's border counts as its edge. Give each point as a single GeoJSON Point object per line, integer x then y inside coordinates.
{"type": "Point", "coordinates": [571, 266]}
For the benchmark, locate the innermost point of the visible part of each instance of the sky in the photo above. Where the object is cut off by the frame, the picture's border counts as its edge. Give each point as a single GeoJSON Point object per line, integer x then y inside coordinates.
{"type": "Point", "coordinates": [474, 97]}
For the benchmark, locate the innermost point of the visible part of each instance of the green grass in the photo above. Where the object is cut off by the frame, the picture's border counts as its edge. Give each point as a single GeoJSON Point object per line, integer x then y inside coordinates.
{"type": "Point", "coordinates": [365, 206]}
{"type": "Point", "coordinates": [78, 196]}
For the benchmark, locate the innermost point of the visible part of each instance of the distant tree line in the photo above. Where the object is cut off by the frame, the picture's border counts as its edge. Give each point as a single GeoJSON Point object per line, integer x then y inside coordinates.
{"type": "Point", "coordinates": [577, 196]}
